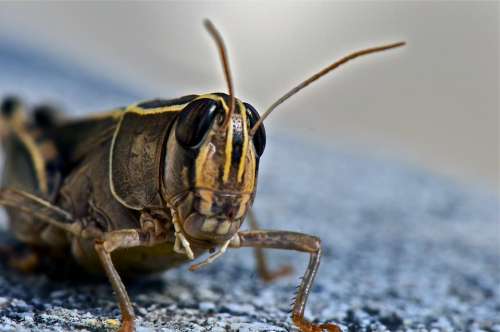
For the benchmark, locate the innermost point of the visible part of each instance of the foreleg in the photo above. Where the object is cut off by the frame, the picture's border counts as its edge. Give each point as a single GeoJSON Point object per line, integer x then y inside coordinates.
{"type": "Point", "coordinates": [291, 241]}
{"type": "Point", "coordinates": [125, 238]}
{"type": "Point", "coordinates": [126, 308]}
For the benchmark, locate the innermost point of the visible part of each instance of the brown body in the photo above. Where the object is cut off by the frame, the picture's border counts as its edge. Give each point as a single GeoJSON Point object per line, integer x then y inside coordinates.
{"type": "Point", "coordinates": [131, 199]}
{"type": "Point", "coordinates": [86, 193]}
{"type": "Point", "coordinates": [148, 187]}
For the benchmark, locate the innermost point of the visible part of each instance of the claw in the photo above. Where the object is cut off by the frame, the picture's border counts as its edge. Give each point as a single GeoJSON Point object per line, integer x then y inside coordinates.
{"type": "Point", "coordinates": [306, 326]}
{"type": "Point", "coordinates": [127, 326]}
{"type": "Point", "coordinates": [330, 327]}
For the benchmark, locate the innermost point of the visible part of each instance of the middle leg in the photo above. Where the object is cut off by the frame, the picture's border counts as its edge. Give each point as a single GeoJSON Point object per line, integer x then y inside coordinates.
{"type": "Point", "coordinates": [261, 260]}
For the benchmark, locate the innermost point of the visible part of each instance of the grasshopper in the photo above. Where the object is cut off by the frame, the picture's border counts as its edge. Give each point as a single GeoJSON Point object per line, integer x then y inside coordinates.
{"type": "Point", "coordinates": [149, 187]}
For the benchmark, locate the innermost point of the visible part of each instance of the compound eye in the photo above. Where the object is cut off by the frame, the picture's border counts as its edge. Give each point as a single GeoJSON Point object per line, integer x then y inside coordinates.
{"type": "Point", "coordinates": [259, 139]}
{"type": "Point", "coordinates": [194, 122]}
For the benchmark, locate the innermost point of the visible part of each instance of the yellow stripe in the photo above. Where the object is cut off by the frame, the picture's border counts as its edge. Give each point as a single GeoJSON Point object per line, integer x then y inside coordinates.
{"type": "Point", "coordinates": [141, 111]}
{"type": "Point", "coordinates": [134, 108]}
{"type": "Point", "coordinates": [229, 150]}
{"type": "Point", "coordinates": [203, 155]}
{"type": "Point", "coordinates": [200, 163]}
{"type": "Point", "coordinates": [229, 141]}
{"type": "Point", "coordinates": [37, 158]}
{"type": "Point", "coordinates": [110, 170]}
{"type": "Point", "coordinates": [241, 166]}
{"type": "Point", "coordinates": [253, 160]}
{"type": "Point", "coordinates": [18, 124]}
{"type": "Point", "coordinates": [212, 97]}
{"type": "Point", "coordinates": [173, 108]}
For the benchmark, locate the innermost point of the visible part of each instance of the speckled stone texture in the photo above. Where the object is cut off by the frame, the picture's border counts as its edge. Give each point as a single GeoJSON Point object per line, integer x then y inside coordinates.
{"type": "Point", "coordinates": [403, 250]}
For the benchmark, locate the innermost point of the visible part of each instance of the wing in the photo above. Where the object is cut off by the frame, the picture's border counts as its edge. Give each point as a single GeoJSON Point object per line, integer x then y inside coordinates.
{"type": "Point", "coordinates": [75, 138]}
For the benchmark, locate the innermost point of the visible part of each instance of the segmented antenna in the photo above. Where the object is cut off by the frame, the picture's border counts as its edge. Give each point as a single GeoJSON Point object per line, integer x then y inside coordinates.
{"type": "Point", "coordinates": [318, 75]}
{"type": "Point", "coordinates": [225, 63]}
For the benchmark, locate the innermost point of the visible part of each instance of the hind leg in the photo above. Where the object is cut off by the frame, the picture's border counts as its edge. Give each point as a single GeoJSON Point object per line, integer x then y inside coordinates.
{"type": "Point", "coordinates": [44, 211]}
{"type": "Point", "coordinates": [37, 207]}
{"type": "Point", "coordinates": [33, 221]}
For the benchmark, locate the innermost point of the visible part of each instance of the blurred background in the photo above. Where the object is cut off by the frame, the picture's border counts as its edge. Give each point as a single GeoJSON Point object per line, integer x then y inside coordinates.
{"type": "Point", "coordinates": [434, 103]}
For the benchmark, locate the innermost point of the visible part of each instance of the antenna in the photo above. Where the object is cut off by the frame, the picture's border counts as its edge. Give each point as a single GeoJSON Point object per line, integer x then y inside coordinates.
{"type": "Point", "coordinates": [225, 63]}
{"type": "Point", "coordinates": [318, 75]}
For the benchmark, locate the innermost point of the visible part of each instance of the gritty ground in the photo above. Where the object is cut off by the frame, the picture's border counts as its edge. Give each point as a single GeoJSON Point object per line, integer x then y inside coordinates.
{"type": "Point", "coordinates": [403, 250]}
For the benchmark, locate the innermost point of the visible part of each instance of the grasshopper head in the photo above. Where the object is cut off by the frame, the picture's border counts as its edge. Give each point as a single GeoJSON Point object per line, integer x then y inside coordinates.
{"type": "Point", "coordinates": [213, 154]}
{"type": "Point", "coordinates": [211, 166]}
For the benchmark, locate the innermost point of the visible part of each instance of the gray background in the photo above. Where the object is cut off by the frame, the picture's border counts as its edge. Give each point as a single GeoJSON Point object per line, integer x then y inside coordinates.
{"type": "Point", "coordinates": [434, 103]}
{"type": "Point", "coordinates": [403, 249]}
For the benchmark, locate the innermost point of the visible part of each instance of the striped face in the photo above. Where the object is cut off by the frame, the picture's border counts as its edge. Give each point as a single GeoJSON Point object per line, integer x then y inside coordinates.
{"type": "Point", "coordinates": [211, 167]}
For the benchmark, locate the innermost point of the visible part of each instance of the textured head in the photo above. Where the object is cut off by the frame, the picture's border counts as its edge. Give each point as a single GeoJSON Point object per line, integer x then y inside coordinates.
{"type": "Point", "coordinates": [211, 166]}
{"type": "Point", "coordinates": [213, 152]}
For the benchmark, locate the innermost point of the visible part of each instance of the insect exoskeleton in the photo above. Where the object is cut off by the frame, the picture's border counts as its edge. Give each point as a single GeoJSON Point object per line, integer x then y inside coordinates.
{"type": "Point", "coordinates": [210, 181]}
{"type": "Point", "coordinates": [155, 183]}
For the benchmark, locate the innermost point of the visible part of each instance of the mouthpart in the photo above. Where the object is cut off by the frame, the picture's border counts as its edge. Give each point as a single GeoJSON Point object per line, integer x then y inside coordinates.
{"type": "Point", "coordinates": [211, 229]}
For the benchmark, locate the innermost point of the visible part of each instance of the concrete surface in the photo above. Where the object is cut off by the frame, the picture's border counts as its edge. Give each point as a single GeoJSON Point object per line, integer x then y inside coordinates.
{"type": "Point", "coordinates": [403, 249]}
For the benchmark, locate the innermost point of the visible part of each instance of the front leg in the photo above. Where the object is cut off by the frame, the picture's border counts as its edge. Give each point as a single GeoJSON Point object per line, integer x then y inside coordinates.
{"type": "Point", "coordinates": [111, 241]}
{"type": "Point", "coordinates": [291, 241]}
{"type": "Point", "coordinates": [126, 308]}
